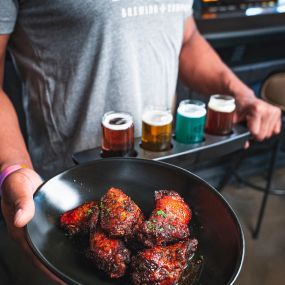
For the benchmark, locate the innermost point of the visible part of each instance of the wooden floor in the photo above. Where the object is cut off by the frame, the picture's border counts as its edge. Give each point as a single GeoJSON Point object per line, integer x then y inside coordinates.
{"type": "Point", "coordinates": [264, 262]}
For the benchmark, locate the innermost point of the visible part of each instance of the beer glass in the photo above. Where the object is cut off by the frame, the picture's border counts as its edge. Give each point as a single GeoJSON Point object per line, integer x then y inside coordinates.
{"type": "Point", "coordinates": [190, 121]}
{"type": "Point", "coordinates": [221, 110]}
{"type": "Point", "coordinates": [156, 129]}
{"type": "Point", "coordinates": [117, 134]}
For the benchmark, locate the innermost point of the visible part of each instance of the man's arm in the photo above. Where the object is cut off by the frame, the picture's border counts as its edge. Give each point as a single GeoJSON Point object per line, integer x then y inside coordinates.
{"type": "Point", "coordinates": [202, 69]}
{"type": "Point", "coordinates": [18, 188]}
{"type": "Point", "coordinates": [17, 203]}
{"type": "Point", "coordinates": [12, 146]}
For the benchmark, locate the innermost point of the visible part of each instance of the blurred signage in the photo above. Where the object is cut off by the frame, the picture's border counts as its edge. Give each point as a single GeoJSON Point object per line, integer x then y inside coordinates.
{"type": "Point", "coordinates": [209, 9]}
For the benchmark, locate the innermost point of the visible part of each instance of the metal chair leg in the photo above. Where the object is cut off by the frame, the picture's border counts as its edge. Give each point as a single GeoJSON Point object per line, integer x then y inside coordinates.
{"type": "Point", "coordinates": [229, 173]}
{"type": "Point", "coordinates": [267, 188]}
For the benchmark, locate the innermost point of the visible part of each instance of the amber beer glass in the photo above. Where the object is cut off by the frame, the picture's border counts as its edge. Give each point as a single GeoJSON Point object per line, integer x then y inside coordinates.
{"type": "Point", "coordinates": [156, 129]}
{"type": "Point", "coordinates": [117, 134]}
{"type": "Point", "coordinates": [220, 114]}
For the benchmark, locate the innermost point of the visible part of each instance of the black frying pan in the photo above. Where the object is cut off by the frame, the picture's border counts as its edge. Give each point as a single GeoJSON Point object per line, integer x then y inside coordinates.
{"type": "Point", "coordinates": [215, 225]}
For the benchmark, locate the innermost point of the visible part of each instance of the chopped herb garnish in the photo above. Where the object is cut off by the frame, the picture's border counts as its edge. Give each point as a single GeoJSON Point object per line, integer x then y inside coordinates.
{"type": "Point", "coordinates": [90, 211]}
{"type": "Point", "coordinates": [161, 213]}
{"type": "Point", "coordinates": [150, 225]}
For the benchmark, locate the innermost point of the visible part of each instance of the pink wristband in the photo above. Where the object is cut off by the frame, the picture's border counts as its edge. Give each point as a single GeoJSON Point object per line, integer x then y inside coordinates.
{"type": "Point", "coordinates": [7, 171]}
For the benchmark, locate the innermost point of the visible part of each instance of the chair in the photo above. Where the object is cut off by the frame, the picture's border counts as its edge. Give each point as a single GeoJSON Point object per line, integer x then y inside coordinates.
{"type": "Point", "coordinates": [272, 92]}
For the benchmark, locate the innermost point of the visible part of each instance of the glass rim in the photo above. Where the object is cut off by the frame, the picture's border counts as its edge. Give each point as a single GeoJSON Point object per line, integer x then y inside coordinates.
{"type": "Point", "coordinates": [191, 111]}
{"type": "Point", "coordinates": [157, 107]}
{"type": "Point", "coordinates": [150, 117]}
{"type": "Point", "coordinates": [224, 98]}
{"type": "Point", "coordinates": [125, 115]}
{"type": "Point", "coordinates": [117, 112]}
{"type": "Point", "coordinates": [192, 102]}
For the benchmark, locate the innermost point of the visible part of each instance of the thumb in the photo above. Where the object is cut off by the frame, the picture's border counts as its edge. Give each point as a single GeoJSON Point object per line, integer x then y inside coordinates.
{"type": "Point", "coordinates": [24, 211]}
{"type": "Point", "coordinates": [18, 205]}
{"type": "Point", "coordinates": [25, 207]}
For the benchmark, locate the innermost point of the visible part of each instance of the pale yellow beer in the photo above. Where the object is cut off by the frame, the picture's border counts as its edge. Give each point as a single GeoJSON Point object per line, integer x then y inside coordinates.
{"type": "Point", "coordinates": [156, 130]}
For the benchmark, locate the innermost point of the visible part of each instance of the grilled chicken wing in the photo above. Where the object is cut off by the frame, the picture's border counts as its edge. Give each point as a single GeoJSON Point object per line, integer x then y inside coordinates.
{"type": "Point", "coordinates": [162, 265]}
{"type": "Point", "coordinates": [119, 214]}
{"type": "Point", "coordinates": [131, 240]}
{"type": "Point", "coordinates": [168, 221]}
{"type": "Point", "coordinates": [80, 219]}
{"type": "Point", "coordinates": [108, 254]}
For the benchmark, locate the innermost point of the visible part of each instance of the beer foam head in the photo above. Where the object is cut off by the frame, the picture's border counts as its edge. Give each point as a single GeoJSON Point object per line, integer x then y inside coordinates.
{"type": "Point", "coordinates": [193, 102]}
{"type": "Point", "coordinates": [117, 121]}
{"type": "Point", "coordinates": [157, 117]}
{"type": "Point", "coordinates": [191, 111]}
{"type": "Point", "coordinates": [222, 103]}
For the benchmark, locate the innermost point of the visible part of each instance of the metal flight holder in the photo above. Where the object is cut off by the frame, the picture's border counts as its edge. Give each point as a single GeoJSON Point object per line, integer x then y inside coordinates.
{"type": "Point", "coordinates": [181, 154]}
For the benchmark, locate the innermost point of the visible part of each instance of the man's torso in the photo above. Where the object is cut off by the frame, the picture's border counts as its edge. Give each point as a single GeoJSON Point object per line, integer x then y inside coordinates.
{"type": "Point", "coordinates": [80, 59]}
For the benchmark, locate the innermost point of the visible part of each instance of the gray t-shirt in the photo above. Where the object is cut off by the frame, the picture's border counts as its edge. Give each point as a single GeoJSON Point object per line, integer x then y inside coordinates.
{"type": "Point", "coordinates": [80, 59]}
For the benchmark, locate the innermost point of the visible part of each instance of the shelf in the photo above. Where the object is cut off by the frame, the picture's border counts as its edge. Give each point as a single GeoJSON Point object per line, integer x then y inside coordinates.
{"type": "Point", "coordinates": [238, 27]}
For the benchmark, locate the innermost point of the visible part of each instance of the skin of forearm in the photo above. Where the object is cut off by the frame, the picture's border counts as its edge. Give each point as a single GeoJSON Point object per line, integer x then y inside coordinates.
{"type": "Point", "coordinates": [13, 149]}
{"type": "Point", "coordinates": [201, 69]}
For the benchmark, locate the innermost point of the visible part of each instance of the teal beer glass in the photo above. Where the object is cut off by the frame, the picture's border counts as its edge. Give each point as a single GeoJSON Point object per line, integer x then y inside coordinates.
{"type": "Point", "coordinates": [190, 121]}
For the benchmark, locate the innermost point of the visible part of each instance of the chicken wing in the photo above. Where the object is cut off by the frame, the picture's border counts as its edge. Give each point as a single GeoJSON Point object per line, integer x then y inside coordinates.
{"type": "Point", "coordinates": [119, 214]}
{"type": "Point", "coordinates": [108, 254]}
{"type": "Point", "coordinates": [168, 221]}
{"type": "Point", "coordinates": [162, 265]}
{"type": "Point", "coordinates": [80, 219]}
{"type": "Point", "coordinates": [131, 240]}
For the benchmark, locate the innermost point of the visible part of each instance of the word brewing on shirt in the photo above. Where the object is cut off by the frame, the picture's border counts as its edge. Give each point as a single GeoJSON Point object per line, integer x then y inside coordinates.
{"type": "Point", "coordinates": [155, 9]}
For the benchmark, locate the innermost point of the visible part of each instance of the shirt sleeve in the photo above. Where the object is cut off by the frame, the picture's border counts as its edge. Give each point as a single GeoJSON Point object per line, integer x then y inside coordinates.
{"type": "Point", "coordinates": [187, 9]}
{"type": "Point", "coordinates": [8, 15]}
{"type": "Point", "coordinates": [190, 10]}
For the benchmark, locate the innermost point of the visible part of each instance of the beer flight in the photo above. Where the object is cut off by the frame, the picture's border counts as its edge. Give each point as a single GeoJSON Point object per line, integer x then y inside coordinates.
{"type": "Point", "coordinates": [193, 119]}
